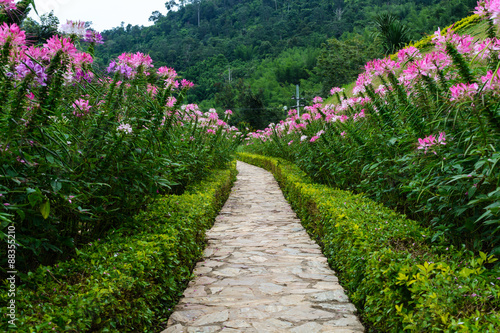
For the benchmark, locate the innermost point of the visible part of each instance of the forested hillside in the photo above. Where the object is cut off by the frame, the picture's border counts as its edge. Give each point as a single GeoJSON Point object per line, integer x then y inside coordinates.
{"type": "Point", "coordinates": [247, 55]}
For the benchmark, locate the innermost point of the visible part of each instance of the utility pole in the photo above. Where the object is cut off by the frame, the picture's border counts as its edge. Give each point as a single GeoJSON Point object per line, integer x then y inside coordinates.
{"type": "Point", "coordinates": [297, 97]}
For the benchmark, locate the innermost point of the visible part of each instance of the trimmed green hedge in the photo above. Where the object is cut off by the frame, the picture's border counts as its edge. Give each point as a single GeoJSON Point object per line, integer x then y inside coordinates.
{"type": "Point", "coordinates": [130, 281]}
{"type": "Point", "coordinates": [400, 276]}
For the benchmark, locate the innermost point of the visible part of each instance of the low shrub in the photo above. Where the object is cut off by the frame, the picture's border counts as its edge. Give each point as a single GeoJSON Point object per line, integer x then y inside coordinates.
{"type": "Point", "coordinates": [400, 275]}
{"type": "Point", "coordinates": [129, 281]}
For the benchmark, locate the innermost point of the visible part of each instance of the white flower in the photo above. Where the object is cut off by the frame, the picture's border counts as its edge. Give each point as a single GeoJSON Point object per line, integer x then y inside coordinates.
{"type": "Point", "coordinates": [125, 128]}
{"type": "Point", "coordinates": [303, 137]}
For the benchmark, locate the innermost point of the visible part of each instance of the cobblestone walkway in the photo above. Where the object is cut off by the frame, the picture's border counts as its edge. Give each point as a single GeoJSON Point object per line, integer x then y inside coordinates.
{"type": "Point", "coordinates": [261, 272]}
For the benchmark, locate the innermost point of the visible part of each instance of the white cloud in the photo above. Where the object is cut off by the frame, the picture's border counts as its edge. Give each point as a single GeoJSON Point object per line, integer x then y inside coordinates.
{"type": "Point", "coordinates": [104, 14]}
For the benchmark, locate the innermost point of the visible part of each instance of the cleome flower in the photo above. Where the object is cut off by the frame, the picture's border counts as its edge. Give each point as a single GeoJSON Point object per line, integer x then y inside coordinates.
{"type": "Point", "coordinates": [431, 140]}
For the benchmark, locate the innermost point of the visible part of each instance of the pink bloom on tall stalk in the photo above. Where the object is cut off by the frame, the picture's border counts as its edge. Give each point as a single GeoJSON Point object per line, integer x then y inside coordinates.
{"type": "Point", "coordinates": [336, 90]}
{"type": "Point", "coordinates": [8, 4]}
{"type": "Point", "coordinates": [12, 34]}
{"type": "Point", "coordinates": [306, 116]}
{"type": "Point", "coordinates": [167, 72]}
{"type": "Point", "coordinates": [152, 90]}
{"type": "Point", "coordinates": [171, 102]}
{"type": "Point", "coordinates": [228, 112]}
{"type": "Point", "coordinates": [363, 80]}
{"type": "Point", "coordinates": [484, 48]}
{"type": "Point", "coordinates": [492, 82]}
{"type": "Point", "coordinates": [92, 36]}
{"type": "Point", "coordinates": [81, 107]}
{"type": "Point", "coordinates": [380, 66]}
{"type": "Point", "coordinates": [136, 60]}
{"type": "Point", "coordinates": [212, 114]}
{"type": "Point", "coordinates": [317, 99]}
{"type": "Point", "coordinates": [463, 91]}
{"type": "Point", "coordinates": [408, 53]}
{"type": "Point", "coordinates": [431, 140]}
{"type": "Point", "coordinates": [186, 84]}
{"type": "Point", "coordinates": [490, 9]}
{"type": "Point", "coordinates": [56, 43]}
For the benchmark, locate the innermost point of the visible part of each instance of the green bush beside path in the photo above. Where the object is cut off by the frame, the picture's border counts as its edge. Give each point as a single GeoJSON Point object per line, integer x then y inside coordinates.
{"type": "Point", "coordinates": [398, 278]}
{"type": "Point", "coordinates": [131, 280]}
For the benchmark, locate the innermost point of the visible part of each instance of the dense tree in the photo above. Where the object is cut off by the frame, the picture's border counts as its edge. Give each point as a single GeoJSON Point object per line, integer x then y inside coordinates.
{"type": "Point", "coordinates": [340, 62]}
{"type": "Point", "coordinates": [38, 33]}
{"type": "Point", "coordinates": [270, 44]}
{"type": "Point", "coordinates": [391, 34]}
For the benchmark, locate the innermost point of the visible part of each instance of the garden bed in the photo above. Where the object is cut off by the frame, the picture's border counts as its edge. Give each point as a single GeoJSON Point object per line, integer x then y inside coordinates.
{"type": "Point", "coordinates": [398, 275]}
{"type": "Point", "coordinates": [131, 280]}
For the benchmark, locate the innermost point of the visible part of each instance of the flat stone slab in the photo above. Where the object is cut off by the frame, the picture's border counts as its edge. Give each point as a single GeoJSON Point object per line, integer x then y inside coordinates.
{"type": "Point", "coordinates": [261, 272]}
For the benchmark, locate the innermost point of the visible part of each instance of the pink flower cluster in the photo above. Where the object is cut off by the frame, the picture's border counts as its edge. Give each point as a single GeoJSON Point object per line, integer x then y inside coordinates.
{"type": "Point", "coordinates": [463, 91]}
{"type": "Point", "coordinates": [490, 9]}
{"type": "Point", "coordinates": [81, 107]}
{"type": "Point", "coordinates": [431, 140]}
{"type": "Point", "coordinates": [8, 5]}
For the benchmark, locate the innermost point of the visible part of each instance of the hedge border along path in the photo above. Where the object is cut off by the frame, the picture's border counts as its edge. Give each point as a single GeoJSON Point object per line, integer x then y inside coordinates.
{"type": "Point", "coordinates": [129, 281]}
{"type": "Point", "coordinates": [261, 271]}
{"type": "Point", "coordinates": [399, 276]}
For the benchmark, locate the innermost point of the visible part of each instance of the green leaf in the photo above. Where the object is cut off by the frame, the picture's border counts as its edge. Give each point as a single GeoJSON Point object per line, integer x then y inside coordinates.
{"type": "Point", "coordinates": [45, 209]}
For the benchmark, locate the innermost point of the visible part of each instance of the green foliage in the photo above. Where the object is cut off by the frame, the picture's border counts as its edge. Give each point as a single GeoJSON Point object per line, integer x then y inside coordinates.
{"type": "Point", "coordinates": [270, 45]}
{"type": "Point", "coordinates": [82, 153]}
{"type": "Point", "coordinates": [39, 33]}
{"type": "Point", "coordinates": [17, 15]}
{"type": "Point", "coordinates": [131, 279]}
{"type": "Point", "coordinates": [396, 275]}
{"type": "Point", "coordinates": [390, 32]}
{"type": "Point", "coordinates": [340, 62]}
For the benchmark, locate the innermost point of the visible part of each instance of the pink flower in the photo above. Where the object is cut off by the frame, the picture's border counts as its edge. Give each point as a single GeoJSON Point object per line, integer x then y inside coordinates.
{"type": "Point", "coordinates": [380, 66]}
{"type": "Point", "coordinates": [336, 90]}
{"type": "Point", "coordinates": [151, 89]}
{"type": "Point", "coordinates": [12, 34]}
{"type": "Point", "coordinates": [171, 102]}
{"type": "Point", "coordinates": [317, 99]}
{"type": "Point", "coordinates": [492, 82]}
{"type": "Point", "coordinates": [314, 138]}
{"type": "Point", "coordinates": [81, 107]}
{"type": "Point", "coordinates": [136, 60]}
{"type": "Point", "coordinates": [442, 138]}
{"type": "Point", "coordinates": [211, 131]}
{"type": "Point", "coordinates": [186, 84]}
{"type": "Point", "coordinates": [289, 143]}
{"type": "Point", "coordinates": [167, 72]}
{"type": "Point", "coordinates": [56, 43]}
{"type": "Point", "coordinates": [463, 91]}
{"type": "Point", "coordinates": [8, 4]}
{"type": "Point", "coordinates": [430, 141]}
{"type": "Point", "coordinates": [489, 8]}
{"type": "Point", "coordinates": [408, 53]}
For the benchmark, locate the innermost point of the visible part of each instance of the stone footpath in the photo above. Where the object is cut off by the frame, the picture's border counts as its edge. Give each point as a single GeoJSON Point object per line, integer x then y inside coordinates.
{"type": "Point", "coordinates": [261, 272]}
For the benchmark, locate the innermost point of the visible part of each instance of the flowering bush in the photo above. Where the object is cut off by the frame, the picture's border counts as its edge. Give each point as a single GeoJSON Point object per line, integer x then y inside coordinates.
{"type": "Point", "coordinates": [82, 152]}
{"type": "Point", "coordinates": [378, 141]}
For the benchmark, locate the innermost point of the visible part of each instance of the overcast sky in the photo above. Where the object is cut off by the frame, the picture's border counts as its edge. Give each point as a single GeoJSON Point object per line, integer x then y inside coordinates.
{"type": "Point", "coordinates": [105, 14]}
